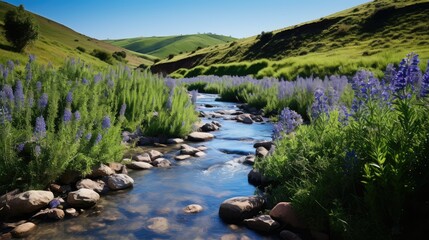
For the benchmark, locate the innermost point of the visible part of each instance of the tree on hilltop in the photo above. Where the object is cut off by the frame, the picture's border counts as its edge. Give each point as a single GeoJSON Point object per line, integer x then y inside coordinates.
{"type": "Point", "coordinates": [20, 29]}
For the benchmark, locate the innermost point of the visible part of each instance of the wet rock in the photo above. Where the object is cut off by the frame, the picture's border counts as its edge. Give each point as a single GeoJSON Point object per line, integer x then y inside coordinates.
{"type": "Point", "coordinates": [256, 178]}
{"type": "Point", "coordinates": [201, 114]}
{"type": "Point", "coordinates": [284, 213]}
{"type": "Point", "coordinates": [249, 160]}
{"type": "Point", "coordinates": [199, 154]}
{"type": "Point", "coordinates": [23, 230]}
{"type": "Point", "coordinates": [158, 224]}
{"type": "Point", "coordinates": [235, 210]}
{"type": "Point", "coordinates": [76, 229]}
{"type": "Point", "coordinates": [202, 148]}
{"type": "Point", "coordinates": [71, 212]}
{"type": "Point", "coordinates": [161, 163]}
{"type": "Point", "coordinates": [55, 188]}
{"type": "Point", "coordinates": [159, 145]}
{"type": "Point", "coordinates": [229, 237]}
{"type": "Point", "coordinates": [119, 181]}
{"type": "Point", "coordinates": [193, 208]}
{"type": "Point", "coordinates": [188, 150]}
{"type": "Point", "coordinates": [209, 127]}
{"type": "Point", "coordinates": [29, 202]}
{"type": "Point", "coordinates": [261, 152]}
{"type": "Point", "coordinates": [101, 171]}
{"type": "Point", "coordinates": [145, 157]}
{"type": "Point", "coordinates": [200, 137]}
{"type": "Point", "coordinates": [98, 186]}
{"type": "Point", "coordinates": [69, 177]}
{"type": "Point", "coordinates": [209, 105]}
{"type": "Point", "coordinates": [154, 154]}
{"type": "Point", "coordinates": [83, 198]}
{"type": "Point", "coordinates": [257, 118]}
{"type": "Point", "coordinates": [175, 141]}
{"type": "Point", "coordinates": [266, 144]}
{"type": "Point", "coordinates": [262, 223]}
{"type": "Point", "coordinates": [244, 118]}
{"type": "Point", "coordinates": [182, 157]}
{"type": "Point", "coordinates": [216, 123]}
{"type": "Point", "coordinates": [288, 235]}
{"type": "Point", "coordinates": [117, 167]}
{"type": "Point", "coordinates": [139, 165]}
{"type": "Point", "coordinates": [52, 214]}
{"type": "Point", "coordinates": [6, 236]}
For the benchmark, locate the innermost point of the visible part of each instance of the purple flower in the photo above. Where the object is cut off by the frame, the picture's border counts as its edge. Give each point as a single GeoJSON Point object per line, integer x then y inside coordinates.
{"type": "Point", "coordinates": [79, 134]}
{"type": "Point", "coordinates": [19, 93]}
{"type": "Point", "coordinates": [88, 136]}
{"type": "Point", "coordinates": [424, 89]}
{"type": "Point", "coordinates": [106, 122]}
{"type": "Point", "coordinates": [20, 147]}
{"type": "Point", "coordinates": [38, 86]}
{"type": "Point", "coordinates": [320, 105]}
{"type": "Point", "coordinates": [4, 115]}
{"type": "Point", "coordinates": [110, 83]}
{"type": "Point", "coordinates": [77, 115]}
{"type": "Point", "coordinates": [122, 110]}
{"type": "Point", "coordinates": [31, 58]}
{"type": "Point", "coordinates": [84, 81]}
{"type": "Point", "coordinates": [10, 65]}
{"type": "Point", "coordinates": [289, 120]}
{"type": "Point", "coordinates": [407, 76]}
{"type": "Point", "coordinates": [40, 127]}
{"type": "Point", "coordinates": [29, 73]}
{"type": "Point", "coordinates": [8, 92]}
{"type": "Point", "coordinates": [69, 97]}
{"type": "Point", "coordinates": [37, 150]}
{"type": "Point", "coordinates": [343, 115]}
{"type": "Point", "coordinates": [5, 73]}
{"type": "Point", "coordinates": [97, 78]}
{"type": "Point", "coordinates": [67, 115]}
{"type": "Point", "coordinates": [98, 139]}
{"type": "Point", "coordinates": [31, 101]}
{"type": "Point", "coordinates": [43, 101]}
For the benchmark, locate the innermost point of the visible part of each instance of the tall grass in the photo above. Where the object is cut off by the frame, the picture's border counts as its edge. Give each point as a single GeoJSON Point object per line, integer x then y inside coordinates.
{"type": "Point", "coordinates": [71, 118]}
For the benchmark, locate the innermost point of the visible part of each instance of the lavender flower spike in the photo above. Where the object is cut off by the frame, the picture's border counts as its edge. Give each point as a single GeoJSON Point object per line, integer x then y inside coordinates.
{"type": "Point", "coordinates": [106, 123]}
{"type": "Point", "coordinates": [40, 127]}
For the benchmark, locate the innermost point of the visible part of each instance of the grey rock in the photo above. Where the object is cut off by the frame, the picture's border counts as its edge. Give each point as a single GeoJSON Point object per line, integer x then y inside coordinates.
{"type": "Point", "coordinates": [29, 202]}
{"type": "Point", "coordinates": [235, 210]}
{"type": "Point", "coordinates": [83, 198]}
{"type": "Point", "coordinates": [119, 181]}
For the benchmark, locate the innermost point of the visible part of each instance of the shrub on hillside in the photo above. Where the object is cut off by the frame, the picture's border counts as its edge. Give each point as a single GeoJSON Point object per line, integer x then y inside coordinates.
{"type": "Point", "coordinates": [20, 29]}
{"type": "Point", "coordinates": [102, 55]}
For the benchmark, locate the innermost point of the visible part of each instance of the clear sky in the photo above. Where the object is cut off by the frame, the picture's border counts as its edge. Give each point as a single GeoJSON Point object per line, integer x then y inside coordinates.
{"type": "Point", "coordinates": [113, 19]}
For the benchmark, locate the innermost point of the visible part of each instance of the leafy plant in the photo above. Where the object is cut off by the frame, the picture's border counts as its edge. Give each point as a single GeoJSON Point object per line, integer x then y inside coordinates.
{"type": "Point", "coordinates": [20, 28]}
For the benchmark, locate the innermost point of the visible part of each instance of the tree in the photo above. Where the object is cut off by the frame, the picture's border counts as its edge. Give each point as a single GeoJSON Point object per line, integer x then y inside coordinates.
{"type": "Point", "coordinates": [20, 29]}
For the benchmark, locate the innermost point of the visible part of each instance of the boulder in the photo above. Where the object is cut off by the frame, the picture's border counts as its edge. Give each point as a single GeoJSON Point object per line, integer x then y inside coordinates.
{"type": "Point", "coordinates": [262, 223]}
{"type": "Point", "coordinates": [139, 165]}
{"type": "Point", "coordinates": [202, 148]}
{"type": "Point", "coordinates": [245, 118]}
{"type": "Point", "coordinates": [83, 198]}
{"type": "Point", "coordinates": [189, 150]}
{"type": "Point", "coordinates": [98, 186]}
{"type": "Point", "coordinates": [193, 208]}
{"type": "Point", "coordinates": [256, 178]}
{"type": "Point", "coordinates": [266, 144]}
{"type": "Point", "coordinates": [145, 157]}
{"type": "Point", "coordinates": [201, 114]}
{"type": "Point", "coordinates": [261, 152]}
{"type": "Point", "coordinates": [154, 154]}
{"type": "Point", "coordinates": [29, 202]}
{"type": "Point", "coordinates": [175, 141]}
{"type": "Point", "coordinates": [182, 157]}
{"type": "Point", "coordinates": [257, 118]}
{"type": "Point", "coordinates": [117, 167]}
{"type": "Point", "coordinates": [235, 210]}
{"type": "Point", "coordinates": [101, 171]}
{"type": "Point", "coordinates": [119, 181]}
{"type": "Point", "coordinates": [216, 123]}
{"type": "Point", "coordinates": [288, 235]}
{"type": "Point", "coordinates": [286, 215]}
{"type": "Point", "coordinates": [249, 160]}
{"type": "Point", "coordinates": [199, 154]}
{"type": "Point", "coordinates": [161, 163]}
{"type": "Point", "coordinates": [209, 127]}
{"type": "Point", "coordinates": [23, 230]}
{"type": "Point", "coordinates": [158, 224]}
{"type": "Point", "coordinates": [200, 137]}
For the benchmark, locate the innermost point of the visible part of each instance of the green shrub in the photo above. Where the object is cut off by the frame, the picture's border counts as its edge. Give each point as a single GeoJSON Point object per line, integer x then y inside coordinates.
{"type": "Point", "coordinates": [20, 29]}
{"type": "Point", "coordinates": [102, 55]}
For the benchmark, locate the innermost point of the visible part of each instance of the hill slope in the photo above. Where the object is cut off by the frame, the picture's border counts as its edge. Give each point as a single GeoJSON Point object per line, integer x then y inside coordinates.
{"type": "Point", "coordinates": [57, 42]}
{"type": "Point", "coordinates": [163, 46]}
{"type": "Point", "coordinates": [370, 35]}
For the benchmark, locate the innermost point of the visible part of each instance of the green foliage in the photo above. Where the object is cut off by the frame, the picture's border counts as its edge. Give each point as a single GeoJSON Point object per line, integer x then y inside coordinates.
{"type": "Point", "coordinates": [120, 56]}
{"type": "Point", "coordinates": [84, 113]}
{"type": "Point", "coordinates": [81, 49]}
{"type": "Point", "coordinates": [20, 29]}
{"type": "Point", "coordinates": [102, 55]}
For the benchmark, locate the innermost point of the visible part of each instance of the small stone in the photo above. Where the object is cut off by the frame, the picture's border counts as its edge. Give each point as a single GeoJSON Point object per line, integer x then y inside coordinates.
{"type": "Point", "coordinates": [266, 144]}
{"type": "Point", "coordinates": [116, 166]}
{"type": "Point", "coordinates": [101, 171]}
{"type": "Point", "coordinates": [200, 136]}
{"type": "Point", "coordinates": [199, 154]}
{"type": "Point", "coordinates": [23, 230]}
{"type": "Point", "coordinates": [142, 158]}
{"type": "Point", "coordinates": [55, 188]}
{"type": "Point", "coordinates": [229, 237]}
{"type": "Point", "coordinates": [55, 214]}
{"type": "Point", "coordinates": [182, 157]}
{"type": "Point", "coordinates": [158, 224]}
{"type": "Point", "coordinates": [285, 214]}
{"type": "Point", "coordinates": [175, 141]}
{"type": "Point", "coordinates": [189, 151]}
{"type": "Point", "coordinates": [262, 223]}
{"type": "Point", "coordinates": [209, 127]}
{"type": "Point", "coordinates": [235, 210]}
{"type": "Point", "coordinates": [154, 154]}
{"type": "Point", "coordinates": [202, 148]}
{"type": "Point", "coordinates": [71, 212]}
{"type": "Point", "coordinates": [139, 165]}
{"type": "Point", "coordinates": [98, 186]}
{"type": "Point", "coordinates": [249, 160]}
{"type": "Point", "coordinates": [193, 208]}
{"type": "Point", "coordinates": [161, 163]}
{"type": "Point", "coordinates": [76, 229]}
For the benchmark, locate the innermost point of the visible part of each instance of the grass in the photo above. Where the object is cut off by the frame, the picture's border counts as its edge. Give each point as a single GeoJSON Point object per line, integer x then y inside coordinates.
{"type": "Point", "coordinates": [367, 36]}
{"type": "Point", "coordinates": [162, 47]}
{"type": "Point", "coordinates": [57, 42]}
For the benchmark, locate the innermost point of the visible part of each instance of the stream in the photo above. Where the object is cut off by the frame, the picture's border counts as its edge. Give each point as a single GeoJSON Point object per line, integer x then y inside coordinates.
{"type": "Point", "coordinates": [162, 193]}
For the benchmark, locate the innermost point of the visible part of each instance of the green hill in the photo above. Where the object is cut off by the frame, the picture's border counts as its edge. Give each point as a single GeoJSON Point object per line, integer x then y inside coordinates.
{"type": "Point", "coordinates": [370, 35]}
{"type": "Point", "coordinates": [57, 42]}
{"type": "Point", "coordinates": [162, 47]}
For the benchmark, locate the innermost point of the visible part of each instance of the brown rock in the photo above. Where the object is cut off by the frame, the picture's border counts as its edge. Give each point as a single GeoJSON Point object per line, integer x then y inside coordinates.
{"type": "Point", "coordinates": [285, 214]}
{"type": "Point", "coordinates": [266, 144]}
{"type": "Point", "coordinates": [71, 212]}
{"type": "Point", "coordinates": [193, 208]}
{"type": "Point", "coordinates": [158, 224]}
{"type": "Point", "coordinates": [235, 210]}
{"type": "Point", "coordinates": [249, 160]}
{"type": "Point", "coordinates": [200, 137]}
{"type": "Point", "coordinates": [117, 167]}
{"type": "Point", "coordinates": [182, 157]}
{"type": "Point", "coordinates": [6, 236]}
{"type": "Point", "coordinates": [23, 230]}
{"type": "Point", "coordinates": [188, 150]}
{"type": "Point", "coordinates": [69, 177]}
{"type": "Point", "coordinates": [202, 148]}
{"type": "Point", "coordinates": [53, 214]}
{"type": "Point", "coordinates": [139, 165]}
{"type": "Point", "coordinates": [145, 157]}
{"type": "Point", "coordinates": [175, 141]}
{"type": "Point", "coordinates": [119, 181]}
{"type": "Point", "coordinates": [83, 198]}
{"type": "Point", "coordinates": [199, 154]}
{"type": "Point", "coordinates": [262, 223]}
{"type": "Point", "coordinates": [98, 186]}
{"type": "Point", "coordinates": [55, 188]}
{"type": "Point", "coordinates": [256, 178]}
{"type": "Point", "coordinates": [101, 170]}
{"type": "Point", "coordinates": [161, 163]}
{"type": "Point", "coordinates": [154, 154]}
{"type": "Point", "coordinates": [29, 202]}
{"type": "Point", "coordinates": [261, 152]}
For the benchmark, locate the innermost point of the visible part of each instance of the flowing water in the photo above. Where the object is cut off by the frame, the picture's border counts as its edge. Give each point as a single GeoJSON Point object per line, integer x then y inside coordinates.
{"type": "Point", "coordinates": [163, 193]}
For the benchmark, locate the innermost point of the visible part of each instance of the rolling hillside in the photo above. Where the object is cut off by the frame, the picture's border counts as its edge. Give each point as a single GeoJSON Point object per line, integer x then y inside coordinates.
{"type": "Point", "coordinates": [162, 47]}
{"type": "Point", "coordinates": [57, 42]}
{"type": "Point", "coordinates": [370, 36]}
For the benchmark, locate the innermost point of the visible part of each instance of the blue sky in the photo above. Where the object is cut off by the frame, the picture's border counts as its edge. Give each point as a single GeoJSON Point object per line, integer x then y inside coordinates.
{"type": "Point", "coordinates": [115, 19]}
